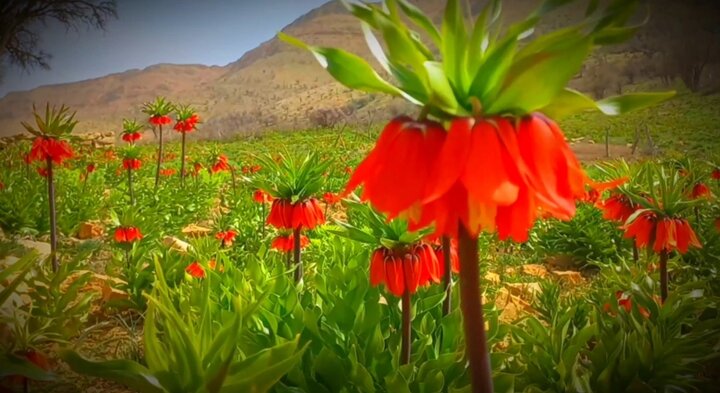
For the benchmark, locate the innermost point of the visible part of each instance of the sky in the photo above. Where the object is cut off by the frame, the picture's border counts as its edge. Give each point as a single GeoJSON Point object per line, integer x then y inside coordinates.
{"type": "Point", "coordinates": [147, 32]}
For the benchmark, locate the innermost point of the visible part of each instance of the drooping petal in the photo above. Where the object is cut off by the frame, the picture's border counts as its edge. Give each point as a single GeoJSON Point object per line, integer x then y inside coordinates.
{"type": "Point", "coordinates": [452, 159]}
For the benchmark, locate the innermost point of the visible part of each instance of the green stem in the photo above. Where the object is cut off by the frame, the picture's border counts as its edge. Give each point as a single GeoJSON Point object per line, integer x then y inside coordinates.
{"type": "Point", "coordinates": [130, 187]}
{"type": "Point", "coordinates": [636, 253]}
{"type": "Point", "coordinates": [159, 159]}
{"type": "Point", "coordinates": [447, 303]}
{"type": "Point", "coordinates": [53, 216]}
{"type": "Point", "coordinates": [406, 331]}
{"type": "Point", "coordinates": [262, 217]}
{"type": "Point", "coordinates": [663, 276]}
{"type": "Point", "coordinates": [182, 161]}
{"type": "Point", "coordinates": [296, 255]}
{"type": "Point", "coordinates": [471, 305]}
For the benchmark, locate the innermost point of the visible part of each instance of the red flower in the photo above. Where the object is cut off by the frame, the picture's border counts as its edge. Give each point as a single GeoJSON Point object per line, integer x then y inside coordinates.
{"type": "Point", "coordinates": [717, 224]}
{"type": "Point", "coordinates": [715, 174]}
{"type": "Point", "coordinates": [331, 198]}
{"type": "Point", "coordinates": [625, 303]}
{"type": "Point", "coordinates": [666, 234]}
{"type": "Point", "coordinates": [42, 171]}
{"type": "Point", "coordinates": [406, 270]}
{"type": "Point", "coordinates": [617, 207]}
{"type": "Point", "coordinates": [90, 168]}
{"type": "Point", "coordinates": [160, 120]}
{"type": "Point", "coordinates": [250, 169]}
{"type": "Point", "coordinates": [197, 167]}
{"type": "Point", "coordinates": [454, 259]}
{"type": "Point", "coordinates": [685, 236]}
{"type": "Point", "coordinates": [700, 190]}
{"type": "Point", "coordinates": [131, 164]}
{"type": "Point", "coordinates": [131, 137]}
{"type": "Point", "coordinates": [261, 196]}
{"type": "Point", "coordinates": [221, 164]}
{"type": "Point", "coordinates": [286, 243]}
{"type": "Point", "coordinates": [286, 215]}
{"type": "Point", "coordinates": [226, 237]}
{"type": "Point", "coordinates": [644, 312]}
{"type": "Point", "coordinates": [109, 154]}
{"type": "Point", "coordinates": [2, 186]}
{"type": "Point", "coordinates": [127, 234]}
{"type": "Point", "coordinates": [642, 228]}
{"type": "Point", "coordinates": [168, 172]}
{"type": "Point", "coordinates": [212, 264]}
{"type": "Point", "coordinates": [592, 195]}
{"type": "Point", "coordinates": [196, 270]}
{"type": "Point", "coordinates": [45, 148]}
{"type": "Point", "coordinates": [187, 125]}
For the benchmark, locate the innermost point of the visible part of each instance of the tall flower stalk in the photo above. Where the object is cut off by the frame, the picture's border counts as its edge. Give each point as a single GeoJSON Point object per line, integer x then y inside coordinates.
{"type": "Point", "coordinates": [131, 163]}
{"type": "Point", "coordinates": [158, 112]}
{"type": "Point", "coordinates": [485, 154]}
{"type": "Point", "coordinates": [186, 121]}
{"type": "Point", "coordinates": [52, 150]}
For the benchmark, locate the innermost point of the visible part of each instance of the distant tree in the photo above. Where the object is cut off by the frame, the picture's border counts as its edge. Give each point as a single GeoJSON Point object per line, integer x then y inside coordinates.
{"type": "Point", "coordinates": [20, 20]}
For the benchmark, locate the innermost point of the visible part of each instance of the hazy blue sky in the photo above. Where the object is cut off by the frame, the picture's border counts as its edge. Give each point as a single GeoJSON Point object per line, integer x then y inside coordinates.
{"type": "Point", "coordinates": [212, 32]}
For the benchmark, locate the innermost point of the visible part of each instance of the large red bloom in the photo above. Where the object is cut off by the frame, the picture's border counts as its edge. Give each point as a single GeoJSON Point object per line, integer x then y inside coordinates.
{"type": "Point", "coordinates": [404, 270]}
{"type": "Point", "coordinates": [302, 214]}
{"type": "Point", "coordinates": [127, 234]}
{"type": "Point", "coordinates": [45, 148]}
{"type": "Point", "coordinates": [160, 120]}
{"type": "Point", "coordinates": [617, 207]}
{"type": "Point", "coordinates": [664, 234]}
{"type": "Point", "coordinates": [187, 125]}
{"type": "Point", "coordinates": [286, 243]}
{"type": "Point", "coordinates": [131, 164]}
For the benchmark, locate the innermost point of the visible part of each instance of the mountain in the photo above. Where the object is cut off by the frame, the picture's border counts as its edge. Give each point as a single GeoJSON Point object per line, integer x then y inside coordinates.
{"type": "Point", "coordinates": [278, 86]}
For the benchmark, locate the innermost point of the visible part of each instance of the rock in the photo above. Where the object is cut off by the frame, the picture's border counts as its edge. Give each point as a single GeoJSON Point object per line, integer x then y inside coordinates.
{"type": "Point", "coordinates": [569, 276]}
{"type": "Point", "coordinates": [512, 306]}
{"type": "Point", "coordinates": [561, 262]}
{"type": "Point", "coordinates": [176, 244]}
{"type": "Point", "coordinates": [90, 230]}
{"type": "Point", "coordinates": [196, 231]}
{"type": "Point", "coordinates": [493, 278]}
{"type": "Point", "coordinates": [525, 290]}
{"type": "Point", "coordinates": [535, 270]}
{"type": "Point", "coordinates": [44, 250]}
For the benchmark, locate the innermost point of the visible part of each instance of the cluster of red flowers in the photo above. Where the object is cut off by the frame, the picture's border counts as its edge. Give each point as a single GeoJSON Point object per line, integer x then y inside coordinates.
{"type": "Point", "coordinates": [261, 196]}
{"type": "Point", "coordinates": [624, 303]}
{"type": "Point", "coordinates": [405, 270]}
{"type": "Point", "coordinates": [131, 137]}
{"type": "Point", "coordinates": [488, 174]}
{"type": "Point", "coordinates": [131, 164]}
{"type": "Point", "coordinates": [305, 214]}
{"type": "Point", "coordinates": [331, 198]}
{"type": "Point", "coordinates": [127, 234]}
{"type": "Point", "coordinates": [196, 270]}
{"type": "Point", "coordinates": [167, 172]}
{"type": "Point", "coordinates": [221, 164]}
{"type": "Point", "coordinates": [160, 120]}
{"type": "Point", "coordinates": [617, 207]}
{"type": "Point", "coordinates": [45, 148]}
{"type": "Point", "coordinates": [286, 243]}
{"type": "Point", "coordinates": [187, 125]}
{"type": "Point", "coordinates": [667, 234]}
{"type": "Point", "coordinates": [250, 169]}
{"type": "Point", "coordinates": [226, 237]}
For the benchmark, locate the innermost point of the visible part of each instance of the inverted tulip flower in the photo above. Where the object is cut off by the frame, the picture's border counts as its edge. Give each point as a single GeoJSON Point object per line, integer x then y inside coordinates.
{"type": "Point", "coordinates": [226, 237]}
{"type": "Point", "coordinates": [51, 150]}
{"type": "Point", "coordinates": [293, 185]}
{"type": "Point", "coordinates": [131, 131]}
{"type": "Point", "coordinates": [503, 158]}
{"type": "Point", "coordinates": [219, 164]}
{"type": "Point", "coordinates": [401, 261]}
{"type": "Point", "coordinates": [285, 243]}
{"type": "Point", "coordinates": [195, 270]}
{"type": "Point", "coordinates": [158, 116]}
{"type": "Point", "coordinates": [187, 121]}
{"type": "Point", "coordinates": [131, 163]}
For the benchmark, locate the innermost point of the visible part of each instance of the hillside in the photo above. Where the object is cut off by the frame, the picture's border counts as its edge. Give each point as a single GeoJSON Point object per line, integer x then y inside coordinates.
{"type": "Point", "coordinates": [280, 87]}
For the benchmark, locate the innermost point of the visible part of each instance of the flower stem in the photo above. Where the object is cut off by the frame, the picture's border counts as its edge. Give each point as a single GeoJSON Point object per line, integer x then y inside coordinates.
{"type": "Point", "coordinates": [262, 218]}
{"type": "Point", "coordinates": [296, 255]}
{"type": "Point", "coordinates": [636, 254]}
{"type": "Point", "coordinates": [130, 187]}
{"type": "Point", "coordinates": [405, 348]}
{"type": "Point", "coordinates": [471, 306]}
{"type": "Point", "coordinates": [127, 260]}
{"type": "Point", "coordinates": [447, 303]}
{"type": "Point", "coordinates": [182, 161]}
{"type": "Point", "coordinates": [159, 159]}
{"type": "Point", "coordinates": [663, 276]}
{"type": "Point", "coordinates": [53, 217]}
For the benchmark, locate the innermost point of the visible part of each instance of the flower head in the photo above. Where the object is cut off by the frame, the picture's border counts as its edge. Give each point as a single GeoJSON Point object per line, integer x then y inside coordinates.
{"type": "Point", "coordinates": [700, 190]}
{"type": "Point", "coordinates": [286, 243]}
{"type": "Point", "coordinates": [167, 172]}
{"type": "Point", "coordinates": [617, 207]}
{"type": "Point", "coordinates": [127, 234]}
{"type": "Point", "coordinates": [226, 237]}
{"type": "Point", "coordinates": [261, 196]}
{"type": "Point", "coordinates": [195, 270]}
{"type": "Point", "coordinates": [715, 174]}
{"type": "Point", "coordinates": [305, 214]}
{"type": "Point", "coordinates": [131, 164]}
{"type": "Point", "coordinates": [221, 164]}
{"type": "Point", "coordinates": [331, 198]}
{"type": "Point", "coordinates": [48, 148]}
{"type": "Point", "coordinates": [404, 270]}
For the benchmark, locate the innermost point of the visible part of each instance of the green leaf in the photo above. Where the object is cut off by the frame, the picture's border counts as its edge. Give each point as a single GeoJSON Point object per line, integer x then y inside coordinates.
{"type": "Point", "coordinates": [14, 365]}
{"type": "Point", "coordinates": [421, 20]}
{"type": "Point", "coordinates": [442, 95]}
{"type": "Point", "coordinates": [629, 102]}
{"type": "Point", "coordinates": [568, 102]}
{"type": "Point", "coordinates": [454, 44]}
{"type": "Point", "coordinates": [347, 68]}
{"type": "Point", "coordinates": [125, 372]}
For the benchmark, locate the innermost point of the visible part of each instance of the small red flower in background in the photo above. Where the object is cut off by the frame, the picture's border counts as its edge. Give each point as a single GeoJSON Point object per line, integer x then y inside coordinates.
{"type": "Point", "coordinates": [625, 303]}
{"type": "Point", "coordinates": [160, 120]}
{"type": "Point", "coordinates": [131, 137]}
{"type": "Point", "coordinates": [261, 196]}
{"type": "Point", "coordinates": [2, 186]}
{"type": "Point", "coordinates": [213, 265]}
{"type": "Point", "coordinates": [250, 169]}
{"type": "Point", "coordinates": [187, 125]}
{"type": "Point", "coordinates": [715, 174]}
{"type": "Point", "coordinates": [45, 148]}
{"type": "Point", "coordinates": [666, 234]}
{"type": "Point", "coordinates": [109, 154]}
{"type": "Point", "coordinates": [167, 172]}
{"type": "Point", "coordinates": [127, 234]}
{"type": "Point", "coordinates": [226, 237]}
{"type": "Point", "coordinates": [617, 207]}
{"type": "Point", "coordinates": [348, 170]}
{"type": "Point", "coordinates": [221, 164]}
{"type": "Point", "coordinates": [286, 243]}
{"type": "Point", "coordinates": [286, 215]}
{"type": "Point", "coordinates": [131, 164]}
{"type": "Point", "coordinates": [454, 259]}
{"type": "Point", "coordinates": [331, 198]}
{"type": "Point", "coordinates": [42, 171]}
{"type": "Point", "coordinates": [700, 190]}
{"type": "Point", "coordinates": [717, 224]}
{"type": "Point", "coordinates": [197, 167]}
{"type": "Point", "coordinates": [90, 168]}
{"type": "Point", "coordinates": [196, 270]}
{"type": "Point", "coordinates": [402, 271]}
